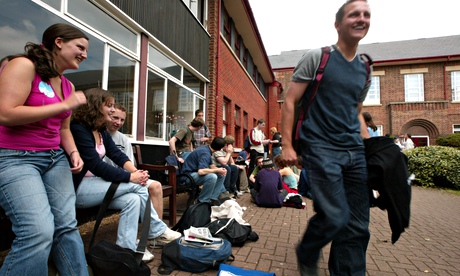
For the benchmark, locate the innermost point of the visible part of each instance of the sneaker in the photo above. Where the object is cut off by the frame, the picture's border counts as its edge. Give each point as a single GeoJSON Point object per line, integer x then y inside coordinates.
{"type": "Point", "coordinates": [147, 256]}
{"type": "Point", "coordinates": [225, 194]}
{"type": "Point", "coordinates": [167, 237]}
{"type": "Point", "coordinates": [247, 191]}
{"type": "Point", "coordinates": [239, 193]}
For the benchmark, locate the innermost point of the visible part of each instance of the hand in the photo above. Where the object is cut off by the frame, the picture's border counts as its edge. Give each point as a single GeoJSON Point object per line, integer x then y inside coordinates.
{"type": "Point", "coordinates": [180, 159]}
{"type": "Point", "coordinates": [139, 177]}
{"type": "Point", "coordinates": [222, 171]}
{"type": "Point", "coordinates": [75, 99]}
{"type": "Point", "coordinates": [77, 163]}
{"type": "Point", "coordinates": [289, 156]}
{"type": "Point", "coordinates": [229, 149]}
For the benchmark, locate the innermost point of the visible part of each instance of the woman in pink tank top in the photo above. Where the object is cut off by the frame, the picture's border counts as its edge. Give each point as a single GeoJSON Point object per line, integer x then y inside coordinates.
{"type": "Point", "coordinates": [36, 147]}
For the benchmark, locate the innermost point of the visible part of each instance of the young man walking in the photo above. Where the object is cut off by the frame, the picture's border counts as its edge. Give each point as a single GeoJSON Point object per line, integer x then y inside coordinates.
{"type": "Point", "coordinates": [332, 147]}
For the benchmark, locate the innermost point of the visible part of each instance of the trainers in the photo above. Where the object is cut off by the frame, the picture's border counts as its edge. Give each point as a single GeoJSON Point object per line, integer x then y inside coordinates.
{"type": "Point", "coordinates": [225, 194]}
{"type": "Point", "coordinates": [239, 193]}
{"type": "Point", "coordinates": [247, 191]}
{"type": "Point", "coordinates": [167, 237]}
{"type": "Point", "coordinates": [147, 256]}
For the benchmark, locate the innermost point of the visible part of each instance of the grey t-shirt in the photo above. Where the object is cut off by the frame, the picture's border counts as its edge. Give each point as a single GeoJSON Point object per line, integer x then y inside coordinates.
{"type": "Point", "coordinates": [332, 119]}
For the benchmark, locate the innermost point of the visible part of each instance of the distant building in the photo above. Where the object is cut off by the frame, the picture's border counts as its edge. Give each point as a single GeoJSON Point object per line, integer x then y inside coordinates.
{"type": "Point", "coordinates": [415, 86]}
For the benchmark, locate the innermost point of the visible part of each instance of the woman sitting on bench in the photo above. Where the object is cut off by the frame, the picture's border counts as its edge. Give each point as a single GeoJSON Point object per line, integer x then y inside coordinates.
{"type": "Point", "coordinates": [89, 127]}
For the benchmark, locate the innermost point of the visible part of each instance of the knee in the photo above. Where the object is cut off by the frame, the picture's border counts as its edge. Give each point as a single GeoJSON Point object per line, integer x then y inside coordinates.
{"type": "Point", "coordinates": [155, 188]}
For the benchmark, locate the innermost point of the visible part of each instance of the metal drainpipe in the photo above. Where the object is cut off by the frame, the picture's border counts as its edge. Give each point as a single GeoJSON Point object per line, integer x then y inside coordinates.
{"type": "Point", "coordinates": [217, 66]}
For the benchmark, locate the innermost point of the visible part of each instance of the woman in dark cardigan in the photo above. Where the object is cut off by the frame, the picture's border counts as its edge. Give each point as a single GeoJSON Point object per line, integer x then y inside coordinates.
{"type": "Point", "coordinates": [89, 124]}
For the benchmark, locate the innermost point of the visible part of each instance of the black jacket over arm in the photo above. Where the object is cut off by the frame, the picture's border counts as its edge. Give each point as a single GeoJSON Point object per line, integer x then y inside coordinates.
{"type": "Point", "coordinates": [387, 173]}
{"type": "Point", "coordinates": [86, 145]}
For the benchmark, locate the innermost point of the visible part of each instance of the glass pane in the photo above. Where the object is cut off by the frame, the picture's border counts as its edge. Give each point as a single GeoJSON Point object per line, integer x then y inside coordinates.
{"type": "Point", "coordinates": [155, 106]}
{"type": "Point", "coordinates": [99, 20]}
{"type": "Point", "coordinates": [54, 3]}
{"type": "Point", "coordinates": [17, 31]}
{"type": "Point", "coordinates": [193, 83]}
{"type": "Point", "coordinates": [164, 63]}
{"type": "Point", "coordinates": [121, 84]}
{"type": "Point", "coordinates": [22, 21]}
{"type": "Point", "coordinates": [177, 115]}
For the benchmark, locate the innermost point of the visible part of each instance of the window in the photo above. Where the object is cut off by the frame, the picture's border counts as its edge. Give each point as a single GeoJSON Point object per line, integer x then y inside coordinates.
{"type": "Point", "coordinates": [245, 120]}
{"type": "Point", "coordinates": [227, 26]}
{"type": "Point", "coordinates": [237, 115]}
{"type": "Point", "coordinates": [380, 130]}
{"type": "Point", "coordinates": [225, 117]}
{"type": "Point", "coordinates": [455, 77]}
{"type": "Point", "coordinates": [164, 63]}
{"type": "Point", "coordinates": [101, 21]}
{"type": "Point", "coordinates": [456, 128]}
{"type": "Point", "coordinates": [238, 46]}
{"type": "Point", "coordinates": [373, 95]}
{"type": "Point", "coordinates": [413, 87]}
{"type": "Point", "coordinates": [197, 8]}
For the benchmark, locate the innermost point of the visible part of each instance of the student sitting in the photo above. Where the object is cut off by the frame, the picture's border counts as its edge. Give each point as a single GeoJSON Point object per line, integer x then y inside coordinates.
{"type": "Point", "coordinates": [268, 188]}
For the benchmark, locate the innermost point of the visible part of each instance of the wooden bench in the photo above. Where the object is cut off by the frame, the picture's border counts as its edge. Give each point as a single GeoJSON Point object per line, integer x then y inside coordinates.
{"type": "Point", "coordinates": [169, 189]}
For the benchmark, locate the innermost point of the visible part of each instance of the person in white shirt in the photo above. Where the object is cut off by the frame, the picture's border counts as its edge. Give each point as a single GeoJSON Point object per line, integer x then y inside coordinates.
{"type": "Point", "coordinates": [408, 144]}
{"type": "Point", "coordinates": [121, 141]}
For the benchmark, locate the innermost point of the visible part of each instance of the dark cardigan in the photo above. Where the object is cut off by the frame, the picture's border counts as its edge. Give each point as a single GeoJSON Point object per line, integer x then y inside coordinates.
{"type": "Point", "coordinates": [387, 173]}
{"type": "Point", "coordinates": [86, 145]}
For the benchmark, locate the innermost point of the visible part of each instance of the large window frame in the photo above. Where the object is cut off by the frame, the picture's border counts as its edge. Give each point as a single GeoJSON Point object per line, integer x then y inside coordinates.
{"type": "Point", "coordinates": [455, 82]}
{"type": "Point", "coordinates": [414, 88]}
{"type": "Point", "coordinates": [373, 95]}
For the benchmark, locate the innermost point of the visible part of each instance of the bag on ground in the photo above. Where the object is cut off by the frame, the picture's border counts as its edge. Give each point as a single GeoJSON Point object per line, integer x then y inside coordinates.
{"type": "Point", "coordinates": [231, 230]}
{"type": "Point", "coordinates": [194, 257]}
{"type": "Point", "coordinates": [196, 215]}
{"type": "Point", "coordinates": [106, 258]}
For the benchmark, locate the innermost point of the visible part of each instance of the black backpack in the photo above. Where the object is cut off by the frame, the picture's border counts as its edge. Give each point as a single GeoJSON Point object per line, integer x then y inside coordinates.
{"type": "Point", "coordinates": [231, 230]}
{"type": "Point", "coordinates": [196, 215]}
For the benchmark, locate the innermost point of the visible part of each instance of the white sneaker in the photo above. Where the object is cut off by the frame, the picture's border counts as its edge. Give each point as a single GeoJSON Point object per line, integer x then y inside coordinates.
{"type": "Point", "coordinates": [167, 237]}
{"type": "Point", "coordinates": [239, 193]}
{"type": "Point", "coordinates": [147, 256]}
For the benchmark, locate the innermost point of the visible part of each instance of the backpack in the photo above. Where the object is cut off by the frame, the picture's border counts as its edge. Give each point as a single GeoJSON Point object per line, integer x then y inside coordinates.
{"type": "Point", "coordinates": [196, 215]}
{"type": "Point", "coordinates": [302, 107]}
{"type": "Point", "coordinates": [231, 230]}
{"type": "Point", "coordinates": [194, 257]}
{"type": "Point", "coordinates": [172, 133]}
{"type": "Point", "coordinates": [247, 144]}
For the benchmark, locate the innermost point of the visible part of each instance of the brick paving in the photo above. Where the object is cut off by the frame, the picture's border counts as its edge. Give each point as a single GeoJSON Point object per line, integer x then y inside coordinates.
{"type": "Point", "coordinates": [430, 246]}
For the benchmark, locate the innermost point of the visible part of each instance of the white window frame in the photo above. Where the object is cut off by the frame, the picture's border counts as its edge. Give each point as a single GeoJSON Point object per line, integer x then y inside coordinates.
{"type": "Point", "coordinates": [456, 128]}
{"type": "Point", "coordinates": [413, 88]}
{"type": "Point", "coordinates": [455, 82]}
{"type": "Point", "coordinates": [373, 95]}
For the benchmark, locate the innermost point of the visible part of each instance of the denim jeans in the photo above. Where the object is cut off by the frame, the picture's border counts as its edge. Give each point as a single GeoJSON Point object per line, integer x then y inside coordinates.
{"type": "Point", "coordinates": [231, 178]}
{"type": "Point", "coordinates": [338, 182]}
{"type": "Point", "coordinates": [37, 193]}
{"type": "Point", "coordinates": [213, 185]}
{"type": "Point", "coordinates": [130, 198]}
{"type": "Point", "coordinates": [276, 151]}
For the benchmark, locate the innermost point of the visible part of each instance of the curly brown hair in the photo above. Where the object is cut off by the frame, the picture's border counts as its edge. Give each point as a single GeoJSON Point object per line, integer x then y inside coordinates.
{"type": "Point", "coordinates": [90, 114]}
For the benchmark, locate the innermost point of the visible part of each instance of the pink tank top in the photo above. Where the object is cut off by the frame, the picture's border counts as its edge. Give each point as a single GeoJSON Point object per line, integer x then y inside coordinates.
{"type": "Point", "coordinates": [43, 134]}
{"type": "Point", "coordinates": [100, 149]}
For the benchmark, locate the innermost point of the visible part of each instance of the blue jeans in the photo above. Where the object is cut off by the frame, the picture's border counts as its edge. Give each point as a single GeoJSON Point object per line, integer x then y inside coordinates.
{"type": "Point", "coordinates": [231, 178]}
{"type": "Point", "coordinates": [130, 198]}
{"type": "Point", "coordinates": [37, 193]}
{"type": "Point", "coordinates": [338, 183]}
{"type": "Point", "coordinates": [213, 185]}
{"type": "Point", "coordinates": [276, 151]}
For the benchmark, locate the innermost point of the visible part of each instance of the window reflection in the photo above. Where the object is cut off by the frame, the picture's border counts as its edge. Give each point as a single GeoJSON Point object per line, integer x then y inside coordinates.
{"type": "Point", "coordinates": [155, 106]}
{"type": "Point", "coordinates": [164, 63]}
{"type": "Point", "coordinates": [121, 84]}
{"type": "Point", "coordinates": [96, 18]}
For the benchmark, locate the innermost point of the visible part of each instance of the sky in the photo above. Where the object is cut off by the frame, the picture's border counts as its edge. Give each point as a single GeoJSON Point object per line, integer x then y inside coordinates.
{"type": "Point", "coordinates": [286, 25]}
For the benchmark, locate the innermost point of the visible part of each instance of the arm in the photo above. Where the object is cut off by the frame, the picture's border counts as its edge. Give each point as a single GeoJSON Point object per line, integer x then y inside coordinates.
{"type": "Point", "coordinates": [364, 132]}
{"type": "Point", "coordinates": [227, 159]}
{"type": "Point", "coordinates": [293, 96]}
{"type": "Point", "coordinates": [68, 144]}
{"type": "Point", "coordinates": [15, 85]}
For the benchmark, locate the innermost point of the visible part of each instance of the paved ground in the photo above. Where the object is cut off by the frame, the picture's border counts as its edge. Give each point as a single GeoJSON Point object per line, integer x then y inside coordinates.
{"type": "Point", "coordinates": [430, 246]}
